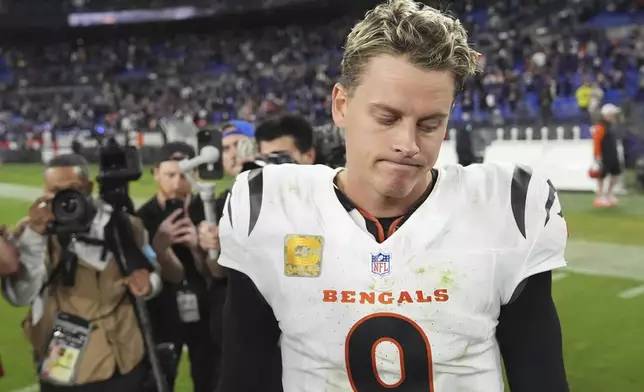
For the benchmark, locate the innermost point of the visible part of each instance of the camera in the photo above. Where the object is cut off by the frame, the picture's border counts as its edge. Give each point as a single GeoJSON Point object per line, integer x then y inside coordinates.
{"type": "Point", "coordinates": [278, 158]}
{"type": "Point", "coordinates": [73, 213]}
{"type": "Point", "coordinates": [119, 163]}
{"type": "Point", "coordinates": [118, 166]}
{"type": "Point", "coordinates": [275, 158]}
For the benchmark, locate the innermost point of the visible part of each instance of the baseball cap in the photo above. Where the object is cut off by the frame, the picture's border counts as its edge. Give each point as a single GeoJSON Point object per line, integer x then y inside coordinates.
{"type": "Point", "coordinates": [238, 127]}
{"type": "Point", "coordinates": [176, 151]}
{"type": "Point", "coordinates": [610, 109]}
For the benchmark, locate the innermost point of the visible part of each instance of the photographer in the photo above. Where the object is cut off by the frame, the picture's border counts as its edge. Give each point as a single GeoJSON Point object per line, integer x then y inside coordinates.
{"type": "Point", "coordinates": [287, 134]}
{"type": "Point", "coordinates": [284, 138]}
{"type": "Point", "coordinates": [180, 314]}
{"type": "Point", "coordinates": [83, 329]}
{"type": "Point", "coordinates": [231, 134]}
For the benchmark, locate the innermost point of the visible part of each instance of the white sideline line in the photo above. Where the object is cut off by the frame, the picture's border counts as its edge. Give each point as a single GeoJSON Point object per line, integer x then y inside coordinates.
{"type": "Point", "coordinates": [559, 275]}
{"type": "Point", "coordinates": [632, 293]}
{"type": "Point", "coordinates": [30, 388]}
{"type": "Point", "coordinates": [31, 193]}
{"type": "Point", "coordinates": [604, 273]}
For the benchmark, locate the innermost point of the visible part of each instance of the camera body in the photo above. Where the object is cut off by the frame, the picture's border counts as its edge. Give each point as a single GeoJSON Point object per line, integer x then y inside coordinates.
{"type": "Point", "coordinates": [275, 158]}
{"type": "Point", "coordinates": [118, 163]}
{"type": "Point", "coordinates": [118, 166]}
{"type": "Point", "coordinates": [278, 158]}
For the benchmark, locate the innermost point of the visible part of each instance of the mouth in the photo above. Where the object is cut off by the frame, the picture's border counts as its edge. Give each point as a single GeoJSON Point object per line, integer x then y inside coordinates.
{"type": "Point", "coordinates": [401, 164]}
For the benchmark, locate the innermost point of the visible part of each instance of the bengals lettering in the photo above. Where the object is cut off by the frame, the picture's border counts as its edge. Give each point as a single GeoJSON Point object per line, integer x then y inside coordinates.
{"type": "Point", "coordinates": [384, 298]}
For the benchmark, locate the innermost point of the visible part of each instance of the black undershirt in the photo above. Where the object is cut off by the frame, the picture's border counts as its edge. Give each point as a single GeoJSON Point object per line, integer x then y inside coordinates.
{"type": "Point", "coordinates": [529, 333]}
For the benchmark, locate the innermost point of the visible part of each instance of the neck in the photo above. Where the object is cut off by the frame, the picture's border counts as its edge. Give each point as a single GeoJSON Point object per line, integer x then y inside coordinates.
{"type": "Point", "coordinates": [378, 205]}
{"type": "Point", "coordinates": [161, 198]}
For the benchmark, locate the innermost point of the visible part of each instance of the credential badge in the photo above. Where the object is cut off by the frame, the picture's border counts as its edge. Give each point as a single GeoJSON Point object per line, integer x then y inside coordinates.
{"type": "Point", "coordinates": [381, 264]}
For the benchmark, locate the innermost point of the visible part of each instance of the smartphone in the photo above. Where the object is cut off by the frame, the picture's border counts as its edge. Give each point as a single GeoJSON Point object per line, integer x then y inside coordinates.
{"type": "Point", "coordinates": [210, 137]}
{"type": "Point", "coordinates": [171, 205]}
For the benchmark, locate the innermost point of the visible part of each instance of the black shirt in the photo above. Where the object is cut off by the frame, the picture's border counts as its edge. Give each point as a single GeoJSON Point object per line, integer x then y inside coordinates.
{"type": "Point", "coordinates": [163, 309]}
{"type": "Point", "coordinates": [529, 333]}
{"type": "Point", "coordinates": [608, 144]}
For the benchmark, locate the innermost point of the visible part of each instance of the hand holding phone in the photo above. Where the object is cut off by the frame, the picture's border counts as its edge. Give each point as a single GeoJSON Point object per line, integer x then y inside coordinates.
{"type": "Point", "coordinates": [171, 205]}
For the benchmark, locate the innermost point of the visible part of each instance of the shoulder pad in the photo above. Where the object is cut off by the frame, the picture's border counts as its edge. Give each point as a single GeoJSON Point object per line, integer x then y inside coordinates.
{"type": "Point", "coordinates": [503, 184]}
{"type": "Point", "coordinates": [270, 184]}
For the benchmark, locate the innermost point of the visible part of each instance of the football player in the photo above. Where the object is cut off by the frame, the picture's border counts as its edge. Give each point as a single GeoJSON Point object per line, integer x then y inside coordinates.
{"type": "Point", "coordinates": [391, 274]}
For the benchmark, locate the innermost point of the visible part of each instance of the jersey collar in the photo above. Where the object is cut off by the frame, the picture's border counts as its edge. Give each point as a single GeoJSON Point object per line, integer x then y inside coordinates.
{"type": "Point", "coordinates": [350, 206]}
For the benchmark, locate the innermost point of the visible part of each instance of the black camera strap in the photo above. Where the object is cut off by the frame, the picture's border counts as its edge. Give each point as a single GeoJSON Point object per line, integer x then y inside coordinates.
{"type": "Point", "coordinates": [67, 264]}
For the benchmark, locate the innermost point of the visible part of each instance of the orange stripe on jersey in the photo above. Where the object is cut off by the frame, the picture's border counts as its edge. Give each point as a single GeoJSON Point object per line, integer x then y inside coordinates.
{"type": "Point", "coordinates": [394, 226]}
{"type": "Point", "coordinates": [381, 230]}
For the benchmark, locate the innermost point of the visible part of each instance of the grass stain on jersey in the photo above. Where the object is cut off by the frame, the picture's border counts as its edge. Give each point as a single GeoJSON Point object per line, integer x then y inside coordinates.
{"type": "Point", "coordinates": [447, 279]}
{"type": "Point", "coordinates": [420, 271]}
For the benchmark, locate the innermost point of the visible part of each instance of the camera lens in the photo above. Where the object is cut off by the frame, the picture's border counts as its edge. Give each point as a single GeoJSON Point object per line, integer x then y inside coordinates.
{"type": "Point", "coordinates": [69, 206]}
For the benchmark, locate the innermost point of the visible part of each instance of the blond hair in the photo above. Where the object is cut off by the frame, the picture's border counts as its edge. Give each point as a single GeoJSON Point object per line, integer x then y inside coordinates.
{"type": "Point", "coordinates": [425, 36]}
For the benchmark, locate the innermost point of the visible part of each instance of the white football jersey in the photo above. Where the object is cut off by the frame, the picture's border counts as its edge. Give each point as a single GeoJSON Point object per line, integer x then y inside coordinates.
{"type": "Point", "coordinates": [416, 312]}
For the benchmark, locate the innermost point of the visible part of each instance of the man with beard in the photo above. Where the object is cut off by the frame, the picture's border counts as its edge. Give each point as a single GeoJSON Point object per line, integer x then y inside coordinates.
{"type": "Point", "coordinates": [180, 315]}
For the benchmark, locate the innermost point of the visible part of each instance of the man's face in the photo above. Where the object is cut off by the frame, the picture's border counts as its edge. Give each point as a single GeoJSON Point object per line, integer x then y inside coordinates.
{"type": "Point", "coordinates": [66, 177]}
{"type": "Point", "coordinates": [232, 165]}
{"type": "Point", "coordinates": [172, 183]}
{"type": "Point", "coordinates": [395, 122]}
{"type": "Point", "coordinates": [287, 144]}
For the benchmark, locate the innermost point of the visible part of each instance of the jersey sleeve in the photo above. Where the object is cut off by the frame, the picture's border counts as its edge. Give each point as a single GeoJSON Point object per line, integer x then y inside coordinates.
{"type": "Point", "coordinates": [235, 226]}
{"type": "Point", "coordinates": [544, 240]}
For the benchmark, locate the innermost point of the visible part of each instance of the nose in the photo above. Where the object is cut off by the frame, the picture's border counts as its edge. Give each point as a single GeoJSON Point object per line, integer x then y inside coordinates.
{"type": "Point", "coordinates": [405, 140]}
{"type": "Point", "coordinates": [176, 182]}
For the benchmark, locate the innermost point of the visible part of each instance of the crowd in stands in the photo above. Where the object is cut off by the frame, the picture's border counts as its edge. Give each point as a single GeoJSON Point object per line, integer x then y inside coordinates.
{"type": "Point", "coordinates": [132, 83]}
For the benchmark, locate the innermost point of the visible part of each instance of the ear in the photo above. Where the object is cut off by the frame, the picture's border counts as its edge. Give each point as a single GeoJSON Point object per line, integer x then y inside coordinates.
{"type": "Point", "coordinates": [339, 101]}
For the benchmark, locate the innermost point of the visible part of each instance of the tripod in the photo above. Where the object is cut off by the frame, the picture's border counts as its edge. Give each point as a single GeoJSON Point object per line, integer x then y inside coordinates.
{"type": "Point", "coordinates": [116, 194]}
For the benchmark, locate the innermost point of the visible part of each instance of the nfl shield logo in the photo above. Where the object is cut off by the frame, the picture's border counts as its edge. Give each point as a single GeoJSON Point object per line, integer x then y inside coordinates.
{"type": "Point", "coordinates": [381, 264]}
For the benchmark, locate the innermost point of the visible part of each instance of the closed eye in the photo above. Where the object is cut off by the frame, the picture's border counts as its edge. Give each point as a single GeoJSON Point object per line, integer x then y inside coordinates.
{"type": "Point", "coordinates": [386, 120]}
{"type": "Point", "coordinates": [429, 127]}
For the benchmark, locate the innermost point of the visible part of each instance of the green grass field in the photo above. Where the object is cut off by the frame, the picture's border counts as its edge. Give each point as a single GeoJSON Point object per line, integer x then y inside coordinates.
{"type": "Point", "coordinates": [600, 296]}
